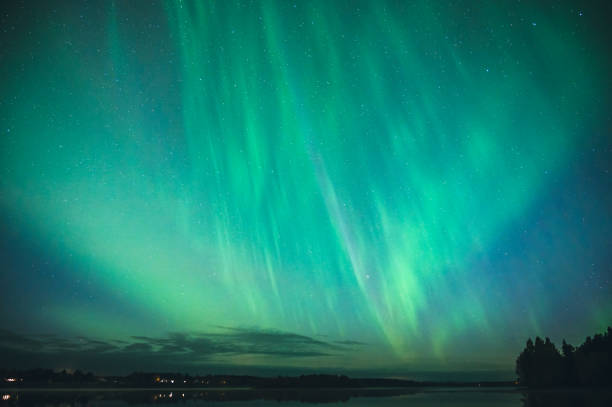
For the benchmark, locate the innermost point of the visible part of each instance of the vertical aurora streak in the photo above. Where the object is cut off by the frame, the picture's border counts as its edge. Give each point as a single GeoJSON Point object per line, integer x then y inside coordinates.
{"type": "Point", "coordinates": [385, 172]}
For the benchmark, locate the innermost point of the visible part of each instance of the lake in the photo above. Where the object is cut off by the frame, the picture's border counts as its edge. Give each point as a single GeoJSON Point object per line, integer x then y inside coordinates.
{"type": "Point", "coordinates": [413, 397]}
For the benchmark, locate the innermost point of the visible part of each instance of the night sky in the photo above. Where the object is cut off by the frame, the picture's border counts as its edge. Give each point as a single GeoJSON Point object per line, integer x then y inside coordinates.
{"type": "Point", "coordinates": [381, 188]}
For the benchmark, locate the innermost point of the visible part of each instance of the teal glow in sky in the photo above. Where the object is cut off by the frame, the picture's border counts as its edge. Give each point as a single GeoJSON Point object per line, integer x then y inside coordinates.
{"type": "Point", "coordinates": [381, 187]}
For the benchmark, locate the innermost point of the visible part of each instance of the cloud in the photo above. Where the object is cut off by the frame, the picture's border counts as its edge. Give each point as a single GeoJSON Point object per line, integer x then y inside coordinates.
{"type": "Point", "coordinates": [138, 347]}
{"type": "Point", "coordinates": [261, 341]}
{"type": "Point", "coordinates": [8, 338]}
{"type": "Point", "coordinates": [350, 343]}
{"type": "Point", "coordinates": [175, 350]}
{"type": "Point", "coordinates": [240, 341]}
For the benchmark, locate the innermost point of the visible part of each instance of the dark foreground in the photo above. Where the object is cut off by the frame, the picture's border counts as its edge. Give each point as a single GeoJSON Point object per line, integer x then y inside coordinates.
{"type": "Point", "coordinates": [391, 397]}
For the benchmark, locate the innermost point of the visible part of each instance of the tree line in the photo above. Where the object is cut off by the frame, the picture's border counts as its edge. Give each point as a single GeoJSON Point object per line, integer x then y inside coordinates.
{"type": "Point", "coordinates": [541, 364]}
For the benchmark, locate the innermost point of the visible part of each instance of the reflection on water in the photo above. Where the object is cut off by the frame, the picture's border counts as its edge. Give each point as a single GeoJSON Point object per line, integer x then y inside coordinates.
{"type": "Point", "coordinates": [345, 397]}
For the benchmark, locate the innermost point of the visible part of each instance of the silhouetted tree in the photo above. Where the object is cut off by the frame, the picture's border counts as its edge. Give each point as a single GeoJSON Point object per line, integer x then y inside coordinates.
{"type": "Point", "coordinates": [541, 364]}
{"type": "Point", "coordinates": [524, 363]}
{"type": "Point", "coordinates": [594, 360]}
{"type": "Point", "coordinates": [569, 365]}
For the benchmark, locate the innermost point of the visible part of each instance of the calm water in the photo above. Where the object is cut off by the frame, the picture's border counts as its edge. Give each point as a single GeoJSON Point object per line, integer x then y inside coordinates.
{"type": "Point", "coordinates": [348, 398]}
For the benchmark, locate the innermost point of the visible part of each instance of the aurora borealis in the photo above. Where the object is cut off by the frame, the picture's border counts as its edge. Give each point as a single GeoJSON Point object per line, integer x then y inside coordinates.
{"type": "Point", "coordinates": [384, 187]}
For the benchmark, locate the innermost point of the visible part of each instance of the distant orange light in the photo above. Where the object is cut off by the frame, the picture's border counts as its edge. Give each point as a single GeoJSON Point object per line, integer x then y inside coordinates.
{"type": "Point", "coordinates": [6, 396]}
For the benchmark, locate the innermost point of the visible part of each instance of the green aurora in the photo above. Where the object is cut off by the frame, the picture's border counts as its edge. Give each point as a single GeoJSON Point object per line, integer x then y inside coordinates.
{"type": "Point", "coordinates": [404, 176]}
